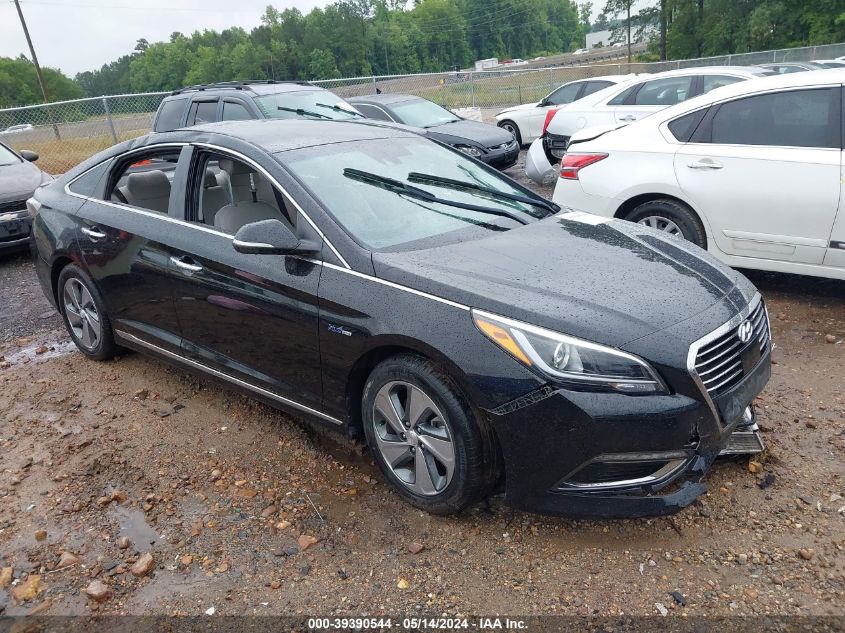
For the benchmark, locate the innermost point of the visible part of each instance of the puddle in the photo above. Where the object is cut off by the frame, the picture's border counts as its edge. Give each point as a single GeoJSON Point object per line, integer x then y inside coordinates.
{"type": "Point", "coordinates": [51, 349]}
{"type": "Point", "coordinates": [134, 526]}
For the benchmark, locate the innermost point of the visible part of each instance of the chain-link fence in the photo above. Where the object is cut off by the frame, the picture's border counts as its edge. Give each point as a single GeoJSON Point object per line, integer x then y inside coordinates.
{"type": "Point", "coordinates": [65, 133]}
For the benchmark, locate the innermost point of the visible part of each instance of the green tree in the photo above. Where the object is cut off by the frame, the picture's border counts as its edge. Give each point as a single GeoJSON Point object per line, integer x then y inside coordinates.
{"type": "Point", "coordinates": [321, 65]}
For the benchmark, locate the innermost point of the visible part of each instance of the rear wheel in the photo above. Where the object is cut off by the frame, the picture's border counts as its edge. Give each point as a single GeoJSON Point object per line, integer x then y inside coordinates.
{"type": "Point", "coordinates": [670, 217]}
{"type": "Point", "coordinates": [425, 437]}
{"type": "Point", "coordinates": [84, 315]}
{"type": "Point", "coordinates": [513, 128]}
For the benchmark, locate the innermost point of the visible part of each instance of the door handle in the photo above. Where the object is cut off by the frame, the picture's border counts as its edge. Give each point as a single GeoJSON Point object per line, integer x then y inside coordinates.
{"type": "Point", "coordinates": [629, 117]}
{"type": "Point", "coordinates": [705, 164]}
{"type": "Point", "coordinates": [180, 262]}
{"type": "Point", "coordinates": [93, 233]}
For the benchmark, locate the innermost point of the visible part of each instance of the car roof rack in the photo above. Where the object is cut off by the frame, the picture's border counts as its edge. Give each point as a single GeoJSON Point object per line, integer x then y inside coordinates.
{"type": "Point", "coordinates": [236, 85]}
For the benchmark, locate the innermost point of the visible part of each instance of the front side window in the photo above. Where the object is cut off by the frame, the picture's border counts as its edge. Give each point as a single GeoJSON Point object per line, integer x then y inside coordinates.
{"type": "Point", "coordinates": [379, 217]}
{"type": "Point", "coordinates": [795, 118]}
{"type": "Point", "coordinates": [664, 92]}
{"type": "Point", "coordinates": [144, 180]}
{"type": "Point", "coordinates": [234, 111]}
{"type": "Point", "coordinates": [423, 113]}
{"type": "Point", "coordinates": [312, 104]}
{"type": "Point", "coordinates": [564, 94]}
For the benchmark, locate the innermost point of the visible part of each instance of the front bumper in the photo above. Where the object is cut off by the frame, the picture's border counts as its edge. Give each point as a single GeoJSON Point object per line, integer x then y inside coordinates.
{"type": "Point", "coordinates": [581, 454]}
{"type": "Point", "coordinates": [15, 227]}
{"type": "Point", "coordinates": [501, 157]}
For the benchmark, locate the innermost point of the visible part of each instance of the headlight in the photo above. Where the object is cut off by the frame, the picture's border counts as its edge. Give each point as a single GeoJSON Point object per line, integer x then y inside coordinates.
{"type": "Point", "coordinates": [469, 149]}
{"type": "Point", "coordinates": [566, 359]}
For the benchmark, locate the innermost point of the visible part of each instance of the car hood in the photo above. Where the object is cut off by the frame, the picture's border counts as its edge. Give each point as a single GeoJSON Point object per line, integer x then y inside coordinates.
{"type": "Point", "coordinates": [18, 181]}
{"type": "Point", "coordinates": [608, 281]}
{"type": "Point", "coordinates": [479, 133]}
{"type": "Point", "coordinates": [524, 106]}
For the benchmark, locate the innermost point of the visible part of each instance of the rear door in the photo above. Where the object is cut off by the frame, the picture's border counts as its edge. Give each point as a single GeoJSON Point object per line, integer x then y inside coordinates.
{"type": "Point", "coordinates": [125, 240]}
{"type": "Point", "coordinates": [203, 109]}
{"type": "Point", "coordinates": [765, 172]}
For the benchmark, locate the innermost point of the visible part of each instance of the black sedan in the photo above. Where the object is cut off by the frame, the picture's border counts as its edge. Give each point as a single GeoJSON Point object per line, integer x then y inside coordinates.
{"type": "Point", "coordinates": [379, 282]}
{"type": "Point", "coordinates": [488, 143]}
{"type": "Point", "coordinates": [18, 180]}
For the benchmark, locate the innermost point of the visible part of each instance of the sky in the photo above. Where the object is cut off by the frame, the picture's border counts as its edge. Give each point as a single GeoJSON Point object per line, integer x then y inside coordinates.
{"type": "Point", "coordinates": [78, 35]}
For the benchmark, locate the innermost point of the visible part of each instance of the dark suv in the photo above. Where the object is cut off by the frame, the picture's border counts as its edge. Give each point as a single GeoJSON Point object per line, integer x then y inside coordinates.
{"type": "Point", "coordinates": [234, 101]}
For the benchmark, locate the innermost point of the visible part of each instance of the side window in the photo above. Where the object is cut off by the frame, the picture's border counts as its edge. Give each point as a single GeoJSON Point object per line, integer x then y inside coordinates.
{"type": "Point", "coordinates": [683, 127]}
{"type": "Point", "coordinates": [711, 82]}
{"type": "Point", "coordinates": [228, 193]}
{"type": "Point", "coordinates": [623, 96]}
{"type": "Point", "coordinates": [595, 86]}
{"type": "Point", "coordinates": [170, 115]}
{"type": "Point", "coordinates": [88, 184]}
{"type": "Point", "coordinates": [664, 92]}
{"type": "Point", "coordinates": [795, 118]}
{"type": "Point", "coordinates": [234, 111]}
{"type": "Point", "coordinates": [565, 94]}
{"type": "Point", "coordinates": [372, 112]}
{"type": "Point", "coordinates": [202, 112]}
{"type": "Point", "coordinates": [144, 181]}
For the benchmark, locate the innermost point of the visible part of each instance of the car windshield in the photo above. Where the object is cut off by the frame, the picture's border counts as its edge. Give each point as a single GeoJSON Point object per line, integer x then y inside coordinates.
{"type": "Point", "coordinates": [381, 217]}
{"type": "Point", "coordinates": [318, 104]}
{"type": "Point", "coordinates": [422, 113]}
{"type": "Point", "coordinates": [7, 157]}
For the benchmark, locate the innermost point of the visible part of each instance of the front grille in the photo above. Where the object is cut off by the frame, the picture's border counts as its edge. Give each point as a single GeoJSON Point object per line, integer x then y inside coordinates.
{"type": "Point", "coordinates": [719, 364]}
{"type": "Point", "coordinates": [14, 205]}
{"type": "Point", "coordinates": [508, 145]}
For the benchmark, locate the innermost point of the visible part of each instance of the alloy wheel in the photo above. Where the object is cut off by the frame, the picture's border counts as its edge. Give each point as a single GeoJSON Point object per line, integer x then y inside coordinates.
{"type": "Point", "coordinates": [413, 437]}
{"type": "Point", "coordinates": [661, 224]}
{"type": "Point", "coordinates": [510, 127]}
{"type": "Point", "coordinates": [82, 314]}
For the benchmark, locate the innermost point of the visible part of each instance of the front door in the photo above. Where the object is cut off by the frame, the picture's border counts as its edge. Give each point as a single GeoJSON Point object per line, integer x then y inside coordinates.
{"type": "Point", "coordinates": [765, 172]}
{"type": "Point", "coordinates": [251, 317]}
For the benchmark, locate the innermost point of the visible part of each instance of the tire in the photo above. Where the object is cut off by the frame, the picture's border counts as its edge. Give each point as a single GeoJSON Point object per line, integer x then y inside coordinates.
{"type": "Point", "coordinates": [513, 128]}
{"type": "Point", "coordinates": [442, 413]}
{"type": "Point", "coordinates": [672, 217]}
{"type": "Point", "coordinates": [83, 312]}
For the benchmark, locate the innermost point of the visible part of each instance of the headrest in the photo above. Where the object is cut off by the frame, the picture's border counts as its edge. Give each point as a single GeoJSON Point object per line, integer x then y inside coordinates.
{"type": "Point", "coordinates": [146, 185]}
{"type": "Point", "coordinates": [210, 179]}
{"type": "Point", "coordinates": [234, 168]}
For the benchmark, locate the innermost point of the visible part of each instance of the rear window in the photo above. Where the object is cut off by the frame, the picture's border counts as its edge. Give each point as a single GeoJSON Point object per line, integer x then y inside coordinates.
{"type": "Point", "coordinates": [170, 115]}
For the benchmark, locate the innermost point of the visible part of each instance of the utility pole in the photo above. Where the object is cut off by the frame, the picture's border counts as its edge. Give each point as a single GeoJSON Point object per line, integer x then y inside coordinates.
{"type": "Point", "coordinates": [37, 65]}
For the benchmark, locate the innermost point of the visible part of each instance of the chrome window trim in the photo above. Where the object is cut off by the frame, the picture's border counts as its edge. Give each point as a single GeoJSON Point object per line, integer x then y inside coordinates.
{"type": "Point", "coordinates": [224, 376]}
{"type": "Point", "coordinates": [704, 340]}
{"type": "Point", "coordinates": [677, 460]}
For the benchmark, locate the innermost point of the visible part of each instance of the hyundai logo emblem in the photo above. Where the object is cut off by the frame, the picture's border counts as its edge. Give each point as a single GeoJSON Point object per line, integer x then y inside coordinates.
{"type": "Point", "coordinates": [745, 331]}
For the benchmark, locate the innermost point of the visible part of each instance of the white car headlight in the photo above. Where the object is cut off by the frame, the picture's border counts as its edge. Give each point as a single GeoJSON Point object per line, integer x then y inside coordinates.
{"type": "Point", "coordinates": [566, 359]}
{"type": "Point", "coordinates": [469, 149]}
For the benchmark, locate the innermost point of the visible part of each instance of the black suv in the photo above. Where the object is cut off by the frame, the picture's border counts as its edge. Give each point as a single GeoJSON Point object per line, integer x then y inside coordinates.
{"type": "Point", "coordinates": [236, 100]}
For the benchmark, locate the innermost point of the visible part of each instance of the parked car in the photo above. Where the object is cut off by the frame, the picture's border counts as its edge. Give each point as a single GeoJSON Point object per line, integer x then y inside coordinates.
{"type": "Point", "coordinates": [751, 172]}
{"type": "Point", "coordinates": [487, 143]}
{"type": "Point", "coordinates": [237, 100]}
{"type": "Point", "coordinates": [368, 278]}
{"type": "Point", "coordinates": [525, 121]}
{"type": "Point", "coordinates": [830, 63]}
{"type": "Point", "coordinates": [624, 103]}
{"type": "Point", "coordinates": [19, 179]}
{"type": "Point", "coordinates": [14, 129]}
{"type": "Point", "coordinates": [785, 68]}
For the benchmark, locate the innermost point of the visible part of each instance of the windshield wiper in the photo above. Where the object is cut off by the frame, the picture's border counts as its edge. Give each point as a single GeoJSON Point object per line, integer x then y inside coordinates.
{"type": "Point", "coordinates": [460, 185]}
{"type": "Point", "coordinates": [337, 108]}
{"type": "Point", "coordinates": [439, 123]}
{"type": "Point", "coordinates": [402, 188]}
{"type": "Point", "coordinates": [302, 112]}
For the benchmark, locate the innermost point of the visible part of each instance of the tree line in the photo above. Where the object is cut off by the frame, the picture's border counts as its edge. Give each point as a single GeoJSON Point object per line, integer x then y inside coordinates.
{"type": "Point", "coordinates": [350, 38]}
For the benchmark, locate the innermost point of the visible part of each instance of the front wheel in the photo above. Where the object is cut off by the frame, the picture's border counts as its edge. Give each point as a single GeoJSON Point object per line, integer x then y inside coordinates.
{"type": "Point", "coordinates": [425, 437]}
{"type": "Point", "coordinates": [513, 128]}
{"type": "Point", "coordinates": [84, 314]}
{"type": "Point", "coordinates": [670, 217]}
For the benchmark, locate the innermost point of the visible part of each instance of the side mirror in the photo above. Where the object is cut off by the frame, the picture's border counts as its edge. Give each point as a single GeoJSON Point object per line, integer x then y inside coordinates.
{"type": "Point", "coordinates": [543, 103]}
{"type": "Point", "coordinates": [28, 155]}
{"type": "Point", "coordinates": [270, 237]}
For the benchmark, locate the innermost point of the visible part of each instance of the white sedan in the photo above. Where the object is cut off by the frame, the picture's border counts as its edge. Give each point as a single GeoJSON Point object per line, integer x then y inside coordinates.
{"type": "Point", "coordinates": [526, 121]}
{"type": "Point", "coordinates": [627, 102]}
{"type": "Point", "coordinates": [751, 172]}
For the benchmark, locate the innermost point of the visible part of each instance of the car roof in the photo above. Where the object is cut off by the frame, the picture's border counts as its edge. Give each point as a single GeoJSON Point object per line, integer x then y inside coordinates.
{"type": "Point", "coordinates": [282, 135]}
{"type": "Point", "coordinates": [384, 98]}
{"type": "Point", "coordinates": [256, 87]}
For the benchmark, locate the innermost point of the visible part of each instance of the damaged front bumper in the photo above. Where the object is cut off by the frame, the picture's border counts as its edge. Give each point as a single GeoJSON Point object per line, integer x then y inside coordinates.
{"type": "Point", "coordinates": [537, 165]}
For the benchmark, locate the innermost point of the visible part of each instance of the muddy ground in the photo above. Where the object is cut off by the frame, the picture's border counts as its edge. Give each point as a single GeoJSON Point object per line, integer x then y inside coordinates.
{"type": "Point", "coordinates": [102, 464]}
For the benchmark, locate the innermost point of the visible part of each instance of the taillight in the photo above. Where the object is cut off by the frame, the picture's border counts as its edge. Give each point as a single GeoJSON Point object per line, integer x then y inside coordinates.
{"type": "Point", "coordinates": [573, 163]}
{"type": "Point", "coordinates": [550, 114]}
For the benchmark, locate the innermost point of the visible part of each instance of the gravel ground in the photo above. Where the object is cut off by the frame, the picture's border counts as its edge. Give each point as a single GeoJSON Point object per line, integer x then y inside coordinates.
{"type": "Point", "coordinates": [158, 492]}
